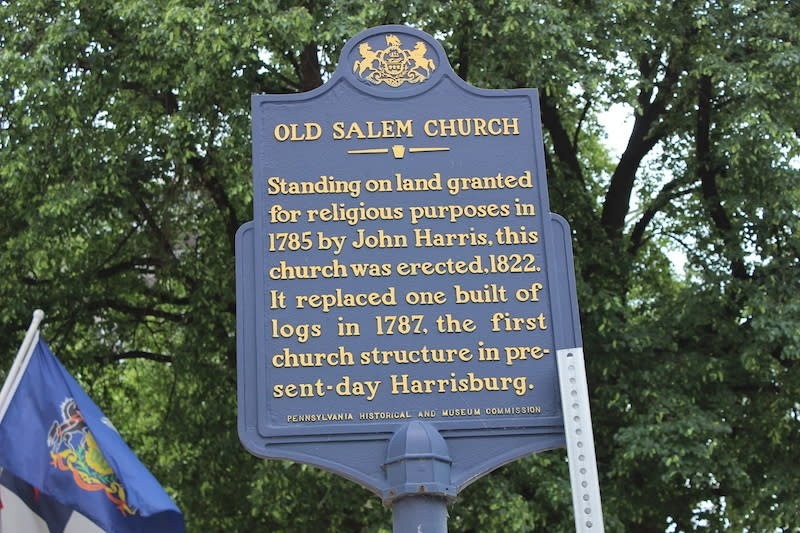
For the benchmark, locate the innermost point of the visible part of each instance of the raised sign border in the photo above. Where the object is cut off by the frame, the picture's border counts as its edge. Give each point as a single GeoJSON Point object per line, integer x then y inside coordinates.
{"type": "Point", "coordinates": [359, 455]}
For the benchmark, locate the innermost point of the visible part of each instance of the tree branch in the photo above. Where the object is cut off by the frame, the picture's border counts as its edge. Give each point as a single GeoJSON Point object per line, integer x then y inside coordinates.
{"type": "Point", "coordinates": [220, 198]}
{"type": "Point", "coordinates": [145, 265]}
{"type": "Point", "coordinates": [141, 354]}
{"type": "Point", "coordinates": [309, 70]}
{"type": "Point", "coordinates": [463, 55]}
{"type": "Point", "coordinates": [145, 214]}
{"type": "Point", "coordinates": [166, 99]}
{"type": "Point", "coordinates": [662, 199]}
{"type": "Point", "coordinates": [644, 137]}
{"type": "Point", "coordinates": [708, 172]}
{"type": "Point", "coordinates": [563, 147]}
{"type": "Point", "coordinates": [138, 312]}
{"type": "Point", "coordinates": [578, 126]}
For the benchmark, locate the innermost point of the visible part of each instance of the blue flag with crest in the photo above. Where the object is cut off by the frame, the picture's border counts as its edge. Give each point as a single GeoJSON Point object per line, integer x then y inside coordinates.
{"type": "Point", "coordinates": [54, 438]}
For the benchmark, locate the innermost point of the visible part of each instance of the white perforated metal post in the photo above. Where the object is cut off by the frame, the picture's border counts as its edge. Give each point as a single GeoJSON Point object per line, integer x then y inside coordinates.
{"type": "Point", "coordinates": [580, 441]}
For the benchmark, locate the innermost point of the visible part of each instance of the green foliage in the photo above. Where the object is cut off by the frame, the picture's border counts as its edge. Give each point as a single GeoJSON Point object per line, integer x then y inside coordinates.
{"type": "Point", "coordinates": [125, 171]}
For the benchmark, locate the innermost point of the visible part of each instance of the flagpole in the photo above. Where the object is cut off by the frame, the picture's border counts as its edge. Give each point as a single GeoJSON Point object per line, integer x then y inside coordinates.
{"type": "Point", "coordinates": [20, 362]}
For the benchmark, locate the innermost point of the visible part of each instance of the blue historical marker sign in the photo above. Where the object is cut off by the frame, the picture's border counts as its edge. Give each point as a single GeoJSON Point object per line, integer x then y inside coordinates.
{"type": "Point", "coordinates": [402, 265]}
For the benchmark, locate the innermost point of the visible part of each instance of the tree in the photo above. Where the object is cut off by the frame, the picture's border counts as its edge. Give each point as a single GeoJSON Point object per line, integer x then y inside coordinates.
{"type": "Point", "coordinates": [124, 135]}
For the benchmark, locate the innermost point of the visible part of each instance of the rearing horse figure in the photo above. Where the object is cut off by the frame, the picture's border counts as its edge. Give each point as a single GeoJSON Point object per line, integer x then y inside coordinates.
{"type": "Point", "coordinates": [368, 56]}
{"type": "Point", "coordinates": [72, 423]}
{"type": "Point", "coordinates": [420, 61]}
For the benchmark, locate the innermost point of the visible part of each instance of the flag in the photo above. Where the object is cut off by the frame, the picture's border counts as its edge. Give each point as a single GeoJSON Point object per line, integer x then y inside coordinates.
{"type": "Point", "coordinates": [57, 441]}
{"type": "Point", "coordinates": [23, 508]}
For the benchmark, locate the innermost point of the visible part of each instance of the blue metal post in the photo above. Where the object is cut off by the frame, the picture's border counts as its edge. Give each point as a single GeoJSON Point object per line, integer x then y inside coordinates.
{"type": "Point", "coordinates": [413, 514]}
{"type": "Point", "coordinates": [418, 470]}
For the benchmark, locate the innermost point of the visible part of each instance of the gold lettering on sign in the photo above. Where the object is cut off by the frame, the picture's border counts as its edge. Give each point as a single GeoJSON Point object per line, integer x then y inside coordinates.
{"type": "Point", "coordinates": [486, 279]}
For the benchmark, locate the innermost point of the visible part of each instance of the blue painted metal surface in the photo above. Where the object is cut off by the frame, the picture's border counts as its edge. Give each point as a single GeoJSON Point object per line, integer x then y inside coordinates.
{"type": "Point", "coordinates": [357, 190]}
{"type": "Point", "coordinates": [418, 463]}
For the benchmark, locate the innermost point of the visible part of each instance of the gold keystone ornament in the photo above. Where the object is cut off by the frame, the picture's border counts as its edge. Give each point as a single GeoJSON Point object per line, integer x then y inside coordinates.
{"type": "Point", "coordinates": [394, 65]}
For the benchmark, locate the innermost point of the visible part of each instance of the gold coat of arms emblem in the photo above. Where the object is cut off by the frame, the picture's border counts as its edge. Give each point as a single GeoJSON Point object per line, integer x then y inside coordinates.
{"type": "Point", "coordinates": [394, 65]}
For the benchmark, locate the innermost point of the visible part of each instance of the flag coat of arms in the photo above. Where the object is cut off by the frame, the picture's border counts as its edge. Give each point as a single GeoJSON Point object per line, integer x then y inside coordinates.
{"type": "Point", "coordinates": [56, 440]}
